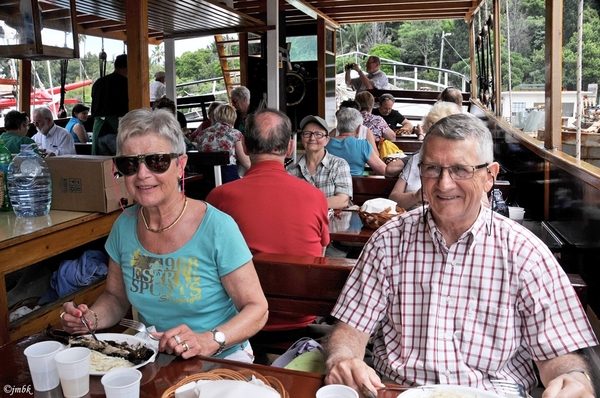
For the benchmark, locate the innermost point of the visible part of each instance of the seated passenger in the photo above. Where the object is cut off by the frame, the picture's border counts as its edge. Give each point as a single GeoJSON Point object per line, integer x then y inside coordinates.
{"type": "Point", "coordinates": [180, 262]}
{"type": "Point", "coordinates": [16, 124]}
{"type": "Point", "coordinates": [329, 173]}
{"type": "Point", "coordinates": [358, 152]}
{"type": "Point", "coordinates": [456, 293]}
{"type": "Point", "coordinates": [365, 133]}
{"type": "Point", "coordinates": [76, 125]}
{"type": "Point", "coordinates": [392, 117]}
{"type": "Point", "coordinates": [407, 190]}
{"type": "Point", "coordinates": [377, 124]}
{"type": "Point", "coordinates": [222, 136]}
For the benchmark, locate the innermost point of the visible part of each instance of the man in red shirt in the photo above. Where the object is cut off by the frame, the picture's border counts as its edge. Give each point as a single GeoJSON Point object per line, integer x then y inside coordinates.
{"type": "Point", "coordinates": [276, 212]}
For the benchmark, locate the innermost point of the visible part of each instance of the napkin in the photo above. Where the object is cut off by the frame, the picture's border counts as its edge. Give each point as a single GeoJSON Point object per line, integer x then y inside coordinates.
{"type": "Point", "coordinates": [378, 205]}
{"type": "Point", "coordinates": [148, 341]}
{"type": "Point", "coordinates": [226, 389]}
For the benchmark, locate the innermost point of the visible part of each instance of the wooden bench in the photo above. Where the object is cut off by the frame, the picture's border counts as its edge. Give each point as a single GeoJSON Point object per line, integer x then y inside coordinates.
{"type": "Point", "coordinates": [371, 187]}
{"type": "Point", "coordinates": [417, 96]}
{"type": "Point", "coordinates": [196, 101]}
{"type": "Point", "coordinates": [301, 285]}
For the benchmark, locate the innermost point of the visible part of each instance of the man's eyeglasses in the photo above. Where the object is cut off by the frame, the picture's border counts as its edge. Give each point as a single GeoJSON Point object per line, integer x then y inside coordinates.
{"type": "Point", "coordinates": [318, 134]}
{"type": "Point", "coordinates": [157, 163]}
{"type": "Point", "coordinates": [458, 172]}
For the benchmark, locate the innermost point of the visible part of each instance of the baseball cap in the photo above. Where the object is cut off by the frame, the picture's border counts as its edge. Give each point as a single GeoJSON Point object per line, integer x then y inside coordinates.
{"type": "Point", "coordinates": [314, 119]}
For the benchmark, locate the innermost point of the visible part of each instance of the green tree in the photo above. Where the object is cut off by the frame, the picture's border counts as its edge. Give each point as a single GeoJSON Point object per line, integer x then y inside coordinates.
{"type": "Point", "coordinates": [386, 51]}
{"type": "Point", "coordinates": [590, 53]}
{"type": "Point", "coordinates": [419, 41]}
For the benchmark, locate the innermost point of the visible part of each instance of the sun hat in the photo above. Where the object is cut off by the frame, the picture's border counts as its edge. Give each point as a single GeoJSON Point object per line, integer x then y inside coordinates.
{"type": "Point", "coordinates": [314, 119]}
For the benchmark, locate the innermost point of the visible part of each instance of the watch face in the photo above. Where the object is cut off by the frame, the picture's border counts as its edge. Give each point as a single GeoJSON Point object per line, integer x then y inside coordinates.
{"type": "Point", "coordinates": [219, 337]}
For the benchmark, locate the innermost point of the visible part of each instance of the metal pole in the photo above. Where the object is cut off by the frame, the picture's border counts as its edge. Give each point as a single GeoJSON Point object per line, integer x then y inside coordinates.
{"type": "Point", "coordinates": [441, 57]}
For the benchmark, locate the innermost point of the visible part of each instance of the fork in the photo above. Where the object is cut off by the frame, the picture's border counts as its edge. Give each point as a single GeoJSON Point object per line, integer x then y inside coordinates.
{"type": "Point", "coordinates": [139, 326]}
{"type": "Point", "coordinates": [508, 387]}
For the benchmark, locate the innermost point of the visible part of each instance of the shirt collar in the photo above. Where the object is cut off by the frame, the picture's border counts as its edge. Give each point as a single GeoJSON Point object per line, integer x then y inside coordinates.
{"type": "Point", "coordinates": [471, 236]}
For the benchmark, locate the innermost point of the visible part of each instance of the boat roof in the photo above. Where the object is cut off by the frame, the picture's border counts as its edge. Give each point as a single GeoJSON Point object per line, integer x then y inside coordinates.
{"type": "Point", "coordinates": [174, 19]}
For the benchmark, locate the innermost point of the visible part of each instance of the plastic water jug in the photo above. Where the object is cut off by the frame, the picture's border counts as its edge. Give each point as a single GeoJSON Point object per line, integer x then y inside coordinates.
{"type": "Point", "coordinates": [29, 184]}
{"type": "Point", "coordinates": [5, 159]}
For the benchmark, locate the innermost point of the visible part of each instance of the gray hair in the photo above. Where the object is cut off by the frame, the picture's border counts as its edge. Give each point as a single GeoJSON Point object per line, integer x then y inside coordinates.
{"type": "Point", "coordinates": [463, 126]}
{"type": "Point", "coordinates": [44, 112]}
{"type": "Point", "coordinates": [263, 137]}
{"type": "Point", "coordinates": [348, 120]}
{"type": "Point", "coordinates": [240, 92]}
{"type": "Point", "coordinates": [144, 121]}
{"type": "Point", "coordinates": [438, 111]}
{"type": "Point", "coordinates": [386, 97]}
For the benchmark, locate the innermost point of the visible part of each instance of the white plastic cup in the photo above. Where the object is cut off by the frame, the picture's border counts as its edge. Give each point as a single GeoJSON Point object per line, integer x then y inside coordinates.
{"type": "Point", "coordinates": [336, 391]}
{"type": "Point", "coordinates": [40, 357]}
{"type": "Point", "coordinates": [74, 371]}
{"type": "Point", "coordinates": [516, 213]}
{"type": "Point", "coordinates": [122, 383]}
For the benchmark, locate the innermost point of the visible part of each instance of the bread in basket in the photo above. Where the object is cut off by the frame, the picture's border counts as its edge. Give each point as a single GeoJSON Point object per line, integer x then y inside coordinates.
{"type": "Point", "coordinates": [376, 212]}
{"type": "Point", "coordinates": [227, 374]}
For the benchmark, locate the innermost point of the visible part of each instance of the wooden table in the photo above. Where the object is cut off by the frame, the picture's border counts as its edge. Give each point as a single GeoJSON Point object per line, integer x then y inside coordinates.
{"type": "Point", "coordinates": [346, 226]}
{"type": "Point", "coordinates": [166, 371]}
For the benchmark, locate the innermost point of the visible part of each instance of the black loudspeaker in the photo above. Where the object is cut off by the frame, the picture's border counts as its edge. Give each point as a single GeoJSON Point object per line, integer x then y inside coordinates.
{"type": "Point", "coordinates": [301, 90]}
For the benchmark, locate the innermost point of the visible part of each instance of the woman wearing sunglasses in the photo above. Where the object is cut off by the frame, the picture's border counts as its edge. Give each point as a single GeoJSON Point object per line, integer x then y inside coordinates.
{"type": "Point", "coordinates": [181, 263]}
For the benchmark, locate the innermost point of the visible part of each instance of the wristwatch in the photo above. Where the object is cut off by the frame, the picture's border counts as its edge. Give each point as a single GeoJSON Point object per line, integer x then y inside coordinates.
{"type": "Point", "coordinates": [220, 338]}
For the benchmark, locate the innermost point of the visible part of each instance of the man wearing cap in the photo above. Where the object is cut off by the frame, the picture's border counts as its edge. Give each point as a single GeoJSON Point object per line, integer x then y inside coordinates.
{"type": "Point", "coordinates": [110, 101]}
{"type": "Point", "coordinates": [158, 89]}
{"type": "Point", "coordinates": [329, 173]}
{"type": "Point", "coordinates": [76, 125]}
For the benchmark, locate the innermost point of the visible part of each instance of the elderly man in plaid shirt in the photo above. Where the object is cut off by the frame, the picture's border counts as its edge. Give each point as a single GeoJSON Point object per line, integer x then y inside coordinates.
{"type": "Point", "coordinates": [454, 293]}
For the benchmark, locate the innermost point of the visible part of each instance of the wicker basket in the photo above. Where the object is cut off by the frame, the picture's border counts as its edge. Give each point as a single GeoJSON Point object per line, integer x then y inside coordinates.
{"type": "Point", "coordinates": [376, 220]}
{"type": "Point", "coordinates": [227, 374]}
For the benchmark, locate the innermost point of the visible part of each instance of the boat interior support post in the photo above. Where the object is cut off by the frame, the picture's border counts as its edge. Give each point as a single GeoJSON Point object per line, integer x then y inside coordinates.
{"type": "Point", "coordinates": [472, 57]}
{"type": "Point", "coordinates": [273, 54]}
{"type": "Point", "coordinates": [25, 86]}
{"type": "Point", "coordinates": [497, 85]}
{"type": "Point", "coordinates": [171, 80]}
{"type": "Point", "coordinates": [137, 53]}
{"type": "Point", "coordinates": [553, 77]}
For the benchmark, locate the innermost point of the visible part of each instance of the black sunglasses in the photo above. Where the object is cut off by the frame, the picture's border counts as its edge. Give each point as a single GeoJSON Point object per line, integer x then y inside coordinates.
{"type": "Point", "coordinates": [157, 163]}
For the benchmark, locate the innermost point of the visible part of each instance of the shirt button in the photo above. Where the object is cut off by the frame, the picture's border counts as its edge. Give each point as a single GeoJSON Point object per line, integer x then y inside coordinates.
{"type": "Point", "coordinates": [448, 299]}
{"type": "Point", "coordinates": [447, 373]}
{"type": "Point", "coordinates": [447, 335]}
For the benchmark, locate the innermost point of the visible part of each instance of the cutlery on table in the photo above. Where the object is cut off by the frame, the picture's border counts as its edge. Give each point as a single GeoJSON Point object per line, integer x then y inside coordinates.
{"type": "Point", "coordinates": [136, 325]}
{"type": "Point", "coordinates": [370, 394]}
{"type": "Point", "coordinates": [85, 323]}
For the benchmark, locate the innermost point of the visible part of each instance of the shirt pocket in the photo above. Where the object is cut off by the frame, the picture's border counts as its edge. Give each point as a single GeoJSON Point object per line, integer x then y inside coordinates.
{"type": "Point", "coordinates": [487, 340]}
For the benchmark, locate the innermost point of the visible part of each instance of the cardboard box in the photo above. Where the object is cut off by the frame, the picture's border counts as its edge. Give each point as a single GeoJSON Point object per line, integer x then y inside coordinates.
{"type": "Point", "coordinates": [85, 183]}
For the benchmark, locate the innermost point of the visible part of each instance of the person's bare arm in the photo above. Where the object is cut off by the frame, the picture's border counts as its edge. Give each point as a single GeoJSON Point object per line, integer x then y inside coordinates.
{"type": "Point", "coordinates": [345, 350]}
{"type": "Point", "coordinates": [110, 307]}
{"type": "Point", "coordinates": [406, 200]}
{"type": "Point", "coordinates": [371, 139]}
{"type": "Point", "coordinates": [394, 168]}
{"type": "Point", "coordinates": [80, 133]}
{"type": "Point", "coordinates": [562, 377]}
{"type": "Point", "coordinates": [338, 201]}
{"type": "Point", "coordinates": [389, 134]}
{"type": "Point", "coordinates": [376, 164]}
{"type": "Point", "coordinates": [243, 287]}
{"type": "Point", "coordinates": [243, 159]}
{"type": "Point", "coordinates": [407, 125]}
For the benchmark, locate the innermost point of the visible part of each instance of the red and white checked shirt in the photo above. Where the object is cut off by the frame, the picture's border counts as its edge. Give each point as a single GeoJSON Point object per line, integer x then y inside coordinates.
{"type": "Point", "coordinates": [482, 309]}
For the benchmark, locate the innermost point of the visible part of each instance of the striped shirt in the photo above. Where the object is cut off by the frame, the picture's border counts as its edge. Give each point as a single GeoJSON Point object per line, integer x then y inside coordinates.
{"type": "Point", "coordinates": [479, 310]}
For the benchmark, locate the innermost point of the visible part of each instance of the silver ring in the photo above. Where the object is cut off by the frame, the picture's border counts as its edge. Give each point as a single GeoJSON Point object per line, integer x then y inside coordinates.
{"type": "Point", "coordinates": [61, 315]}
{"type": "Point", "coordinates": [177, 339]}
{"type": "Point", "coordinates": [185, 346]}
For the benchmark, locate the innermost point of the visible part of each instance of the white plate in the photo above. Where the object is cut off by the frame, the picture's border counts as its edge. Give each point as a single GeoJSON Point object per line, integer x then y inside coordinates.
{"type": "Point", "coordinates": [122, 338]}
{"type": "Point", "coordinates": [462, 391]}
